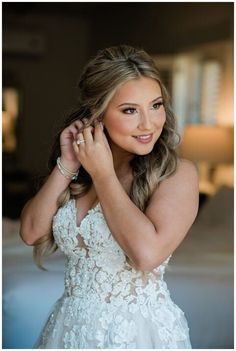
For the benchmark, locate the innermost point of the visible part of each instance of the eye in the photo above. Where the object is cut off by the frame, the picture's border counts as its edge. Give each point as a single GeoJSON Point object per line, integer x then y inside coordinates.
{"type": "Point", "coordinates": [157, 105]}
{"type": "Point", "coordinates": [129, 110]}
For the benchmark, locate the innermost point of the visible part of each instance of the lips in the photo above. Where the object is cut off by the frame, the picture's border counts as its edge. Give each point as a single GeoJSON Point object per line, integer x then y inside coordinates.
{"type": "Point", "coordinates": [145, 138]}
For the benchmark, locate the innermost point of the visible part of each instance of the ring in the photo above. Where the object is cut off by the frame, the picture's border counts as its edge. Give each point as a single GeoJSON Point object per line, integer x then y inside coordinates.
{"type": "Point", "coordinates": [78, 142]}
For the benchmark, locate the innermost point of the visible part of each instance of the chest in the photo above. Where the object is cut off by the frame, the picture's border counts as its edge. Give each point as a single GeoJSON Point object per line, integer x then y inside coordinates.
{"type": "Point", "coordinates": [90, 200]}
{"type": "Point", "coordinates": [91, 236]}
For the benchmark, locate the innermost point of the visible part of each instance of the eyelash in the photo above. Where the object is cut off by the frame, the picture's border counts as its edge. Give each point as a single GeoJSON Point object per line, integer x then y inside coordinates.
{"type": "Point", "coordinates": [159, 104]}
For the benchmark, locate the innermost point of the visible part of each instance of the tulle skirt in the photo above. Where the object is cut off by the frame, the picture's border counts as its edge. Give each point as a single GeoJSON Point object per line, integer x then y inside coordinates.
{"type": "Point", "coordinates": [76, 323]}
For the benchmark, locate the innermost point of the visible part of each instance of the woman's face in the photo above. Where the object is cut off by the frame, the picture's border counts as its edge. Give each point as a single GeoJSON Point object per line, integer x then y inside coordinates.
{"type": "Point", "coordinates": [135, 116]}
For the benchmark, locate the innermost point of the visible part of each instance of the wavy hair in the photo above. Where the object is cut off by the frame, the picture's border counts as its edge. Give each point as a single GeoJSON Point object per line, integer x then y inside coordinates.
{"type": "Point", "coordinates": [99, 81]}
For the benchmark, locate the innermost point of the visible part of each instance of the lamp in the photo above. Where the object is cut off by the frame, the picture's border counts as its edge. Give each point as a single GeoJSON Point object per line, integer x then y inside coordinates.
{"type": "Point", "coordinates": [10, 114]}
{"type": "Point", "coordinates": [209, 146]}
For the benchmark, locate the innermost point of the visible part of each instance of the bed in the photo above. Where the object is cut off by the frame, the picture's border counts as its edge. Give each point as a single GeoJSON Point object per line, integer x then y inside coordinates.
{"type": "Point", "coordinates": [199, 275]}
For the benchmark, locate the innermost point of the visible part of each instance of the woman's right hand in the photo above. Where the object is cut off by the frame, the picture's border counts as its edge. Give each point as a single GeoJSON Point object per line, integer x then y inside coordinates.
{"type": "Point", "coordinates": [67, 137]}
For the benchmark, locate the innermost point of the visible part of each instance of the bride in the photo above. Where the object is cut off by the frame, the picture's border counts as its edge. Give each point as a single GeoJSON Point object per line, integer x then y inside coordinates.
{"type": "Point", "coordinates": [118, 201]}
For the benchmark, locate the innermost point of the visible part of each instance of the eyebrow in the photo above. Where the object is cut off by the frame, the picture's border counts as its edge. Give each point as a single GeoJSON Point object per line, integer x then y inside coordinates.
{"type": "Point", "coordinates": [133, 104]}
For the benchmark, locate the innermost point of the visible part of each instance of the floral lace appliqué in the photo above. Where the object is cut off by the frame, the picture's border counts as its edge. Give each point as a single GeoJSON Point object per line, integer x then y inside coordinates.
{"type": "Point", "coordinates": [107, 303]}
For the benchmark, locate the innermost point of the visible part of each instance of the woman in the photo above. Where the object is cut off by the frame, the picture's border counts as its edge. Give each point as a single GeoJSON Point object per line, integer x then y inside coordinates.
{"type": "Point", "coordinates": [118, 202]}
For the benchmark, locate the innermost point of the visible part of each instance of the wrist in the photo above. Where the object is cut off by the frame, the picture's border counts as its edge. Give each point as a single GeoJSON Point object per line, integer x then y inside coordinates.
{"type": "Point", "coordinates": [66, 172]}
{"type": "Point", "coordinates": [70, 165]}
{"type": "Point", "coordinates": [103, 179]}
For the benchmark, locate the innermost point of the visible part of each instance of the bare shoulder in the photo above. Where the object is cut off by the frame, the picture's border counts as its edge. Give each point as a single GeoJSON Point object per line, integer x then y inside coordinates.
{"type": "Point", "coordinates": [185, 164]}
{"type": "Point", "coordinates": [184, 177]}
{"type": "Point", "coordinates": [179, 191]}
{"type": "Point", "coordinates": [186, 171]}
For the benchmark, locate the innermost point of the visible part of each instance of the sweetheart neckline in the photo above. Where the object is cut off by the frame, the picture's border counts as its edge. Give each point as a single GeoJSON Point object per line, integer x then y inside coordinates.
{"type": "Point", "coordinates": [97, 207]}
{"type": "Point", "coordinates": [75, 208]}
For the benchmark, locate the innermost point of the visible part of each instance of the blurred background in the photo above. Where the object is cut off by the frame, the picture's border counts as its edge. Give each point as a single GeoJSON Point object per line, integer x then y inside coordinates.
{"type": "Point", "coordinates": [45, 46]}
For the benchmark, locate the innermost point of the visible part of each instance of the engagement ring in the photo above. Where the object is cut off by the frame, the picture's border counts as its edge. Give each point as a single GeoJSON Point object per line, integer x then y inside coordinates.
{"type": "Point", "coordinates": [78, 142]}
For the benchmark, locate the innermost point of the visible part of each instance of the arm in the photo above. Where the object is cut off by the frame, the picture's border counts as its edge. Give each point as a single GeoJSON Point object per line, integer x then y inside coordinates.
{"type": "Point", "coordinates": [149, 238]}
{"type": "Point", "coordinates": [36, 216]}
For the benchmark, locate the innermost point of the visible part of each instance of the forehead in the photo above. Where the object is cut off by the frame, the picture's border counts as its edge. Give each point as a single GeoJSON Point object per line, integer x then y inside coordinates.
{"type": "Point", "coordinates": [138, 89]}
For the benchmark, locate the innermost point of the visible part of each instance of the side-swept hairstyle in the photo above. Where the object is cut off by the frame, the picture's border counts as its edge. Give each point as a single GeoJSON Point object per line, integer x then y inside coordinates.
{"type": "Point", "coordinates": [99, 81]}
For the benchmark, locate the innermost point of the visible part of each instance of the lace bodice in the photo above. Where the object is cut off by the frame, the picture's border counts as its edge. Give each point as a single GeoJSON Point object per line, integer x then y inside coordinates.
{"type": "Point", "coordinates": [95, 261]}
{"type": "Point", "coordinates": [107, 303]}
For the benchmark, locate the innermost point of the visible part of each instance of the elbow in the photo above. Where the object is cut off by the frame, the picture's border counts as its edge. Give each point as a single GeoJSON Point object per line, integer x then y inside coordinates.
{"type": "Point", "coordinates": [146, 264]}
{"type": "Point", "coordinates": [149, 262]}
{"type": "Point", "coordinates": [26, 237]}
{"type": "Point", "coordinates": [31, 234]}
{"type": "Point", "coordinates": [26, 228]}
{"type": "Point", "coordinates": [27, 232]}
{"type": "Point", "coordinates": [28, 242]}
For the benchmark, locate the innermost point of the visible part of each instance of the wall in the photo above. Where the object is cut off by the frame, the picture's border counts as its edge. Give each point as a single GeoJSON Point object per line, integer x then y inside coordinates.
{"type": "Point", "coordinates": [47, 82]}
{"type": "Point", "coordinates": [159, 27]}
{"type": "Point", "coordinates": [75, 31]}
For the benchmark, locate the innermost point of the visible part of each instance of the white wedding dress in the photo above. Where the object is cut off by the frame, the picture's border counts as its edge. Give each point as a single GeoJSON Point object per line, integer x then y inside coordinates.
{"type": "Point", "coordinates": [107, 303]}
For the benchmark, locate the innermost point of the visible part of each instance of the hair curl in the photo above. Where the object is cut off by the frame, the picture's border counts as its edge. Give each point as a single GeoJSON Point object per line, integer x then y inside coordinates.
{"type": "Point", "coordinates": [99, 81]}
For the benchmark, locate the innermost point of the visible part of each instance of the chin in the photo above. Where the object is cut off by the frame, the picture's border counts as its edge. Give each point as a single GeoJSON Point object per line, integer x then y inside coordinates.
{"type": "Point", "coordinates": [143, 151]}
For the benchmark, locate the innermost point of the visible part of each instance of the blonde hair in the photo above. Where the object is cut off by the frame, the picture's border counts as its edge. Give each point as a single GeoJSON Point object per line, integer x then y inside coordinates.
{"type": "Point", "coordinates": [99, 81]}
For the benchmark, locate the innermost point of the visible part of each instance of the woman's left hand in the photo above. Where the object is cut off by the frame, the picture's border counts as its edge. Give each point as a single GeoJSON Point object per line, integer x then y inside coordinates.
{"type": "Point", "coordinates": [94, 153]}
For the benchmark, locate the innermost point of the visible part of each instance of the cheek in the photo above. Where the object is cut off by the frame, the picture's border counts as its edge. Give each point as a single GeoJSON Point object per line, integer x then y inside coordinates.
{"type": "Point", "coordinates": [118, 126]}
{"type": "Point", "coordinates": [162, 119]}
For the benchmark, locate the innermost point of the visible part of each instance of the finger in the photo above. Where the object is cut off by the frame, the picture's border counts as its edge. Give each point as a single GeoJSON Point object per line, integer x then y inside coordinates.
{"type": "Point", "coordinates": [73, 129]}
{"type": "Point", "coordinates": [78, 125]}
{"type": "Point", "coordinates": [76, 147]}
{"type": "Point", "coordinates": [68, 134]}
{"type": "Point", "coordinates": [88, 136]}
{"type": "Point", "coordinates": [105, 140]}
{"type": "Point", "coordinates": [98, 132]}
{"type": "Point", "coordinates": [86, 122]}
{"type": "Point", "coordinates": [88, 130]}
{"type": "Point", "coordinates": [80, 140]}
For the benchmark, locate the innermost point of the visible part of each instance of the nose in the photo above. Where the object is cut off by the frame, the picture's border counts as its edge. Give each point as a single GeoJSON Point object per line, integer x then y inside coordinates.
{"type": "Point", "coordinates": [145, 122]}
